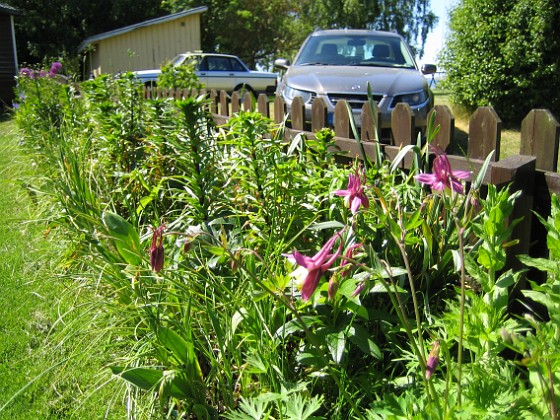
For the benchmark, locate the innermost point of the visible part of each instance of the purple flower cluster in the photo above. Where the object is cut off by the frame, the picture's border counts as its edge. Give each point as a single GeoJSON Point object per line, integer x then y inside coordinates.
{"type": "Point", "coordinates": [34, 74]}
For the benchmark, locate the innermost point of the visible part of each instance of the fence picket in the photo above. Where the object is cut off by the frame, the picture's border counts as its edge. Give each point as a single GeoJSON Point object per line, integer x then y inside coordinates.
{"type": "Point", "coordinates": [485, 129]}
{"type": "Point", "coordinates": [298, 114]}
{"type": "Point", "coordinates": [369, 124]}
{"type": "Point", "coordinates": [262, 105]}
{"type": "Point", "coordinates": [539, 137]}
{"type": "Point", "coordinates": [342, 120]}
{"type": "Point", "coordinates": [446, 122]}
{"type": "Point", "coordinates": [402, 125]}
{"type": "Point", "coordinates": [318, 115]}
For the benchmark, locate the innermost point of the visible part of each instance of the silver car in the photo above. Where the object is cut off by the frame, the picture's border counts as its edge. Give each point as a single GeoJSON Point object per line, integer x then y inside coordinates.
{"type": "Point", "coordinates": [338, 64]}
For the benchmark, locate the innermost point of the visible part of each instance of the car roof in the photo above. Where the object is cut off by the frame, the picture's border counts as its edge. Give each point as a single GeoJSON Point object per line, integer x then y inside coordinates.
{"type": "Point", "coordinates": [212, 54]}
{"type": "Point", "coordinates": [321, 32]}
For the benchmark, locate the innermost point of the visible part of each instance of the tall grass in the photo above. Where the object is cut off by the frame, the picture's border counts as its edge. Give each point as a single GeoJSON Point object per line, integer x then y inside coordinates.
{"type": "Point", "coordinates": [42, 370]}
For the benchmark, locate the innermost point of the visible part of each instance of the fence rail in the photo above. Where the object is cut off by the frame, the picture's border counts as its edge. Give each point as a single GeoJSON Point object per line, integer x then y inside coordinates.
{"type": "Point", "coordinates": [533, 170]}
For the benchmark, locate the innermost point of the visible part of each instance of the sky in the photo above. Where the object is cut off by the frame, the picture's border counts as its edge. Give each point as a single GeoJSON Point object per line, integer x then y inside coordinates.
{"type": "Point", "coordinates": [436, 38]}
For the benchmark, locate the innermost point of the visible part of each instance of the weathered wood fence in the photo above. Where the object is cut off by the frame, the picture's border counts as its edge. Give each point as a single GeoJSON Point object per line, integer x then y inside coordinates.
{"type": "Point", "coordinates": [533, 170]}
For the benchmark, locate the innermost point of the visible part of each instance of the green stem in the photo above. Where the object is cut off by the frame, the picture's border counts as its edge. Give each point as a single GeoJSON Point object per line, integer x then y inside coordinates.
{"type": "Point", "coordinates": [400, 244]}
{"type": "Point", "coordinates": [461, 315]}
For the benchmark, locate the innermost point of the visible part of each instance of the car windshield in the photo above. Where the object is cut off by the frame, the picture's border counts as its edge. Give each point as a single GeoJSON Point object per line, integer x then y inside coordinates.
{"type": "Point", "coordinates": [184, 59]}
{"type": "Point", "coordinates": [355, 50]}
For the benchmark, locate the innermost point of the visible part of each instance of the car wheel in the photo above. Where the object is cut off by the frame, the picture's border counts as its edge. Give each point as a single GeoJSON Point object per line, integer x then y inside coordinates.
{"type": "Point", "coordinates": [242, 90]}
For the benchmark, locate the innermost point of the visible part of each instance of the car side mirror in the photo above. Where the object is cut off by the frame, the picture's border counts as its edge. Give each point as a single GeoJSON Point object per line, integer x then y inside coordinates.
{"type": "Point", "coordinates": [428, 68]}
{"type": "Point", "coordinates": [282, 63]}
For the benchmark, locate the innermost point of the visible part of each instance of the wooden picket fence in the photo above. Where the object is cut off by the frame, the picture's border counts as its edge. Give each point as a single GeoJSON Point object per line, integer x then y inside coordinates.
{"type": "Point", "coordinates": [533, 170]}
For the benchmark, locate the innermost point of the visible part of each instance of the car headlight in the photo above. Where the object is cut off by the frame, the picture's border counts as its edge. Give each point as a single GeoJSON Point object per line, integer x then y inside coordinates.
{"type": "Point", "coordinates": [412, 99]}
{"type": "Point", "coordinates": [290, 93]}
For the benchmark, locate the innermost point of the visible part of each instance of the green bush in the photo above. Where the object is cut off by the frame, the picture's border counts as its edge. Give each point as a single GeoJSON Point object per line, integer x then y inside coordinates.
{"type": "Point", "coordinates": [505, 54]}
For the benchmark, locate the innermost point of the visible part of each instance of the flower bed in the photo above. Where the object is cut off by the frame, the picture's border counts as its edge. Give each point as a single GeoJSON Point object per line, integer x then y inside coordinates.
{"type": "Point", "coordinates": [250, 277]}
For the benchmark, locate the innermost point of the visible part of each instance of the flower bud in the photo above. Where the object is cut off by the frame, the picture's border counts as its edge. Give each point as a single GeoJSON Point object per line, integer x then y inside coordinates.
{"type": "Point", "coordinates": [433, 360]}
{"type": "Point", "coordinates": [333, 288]}
{"type": "Point", "coordinates": [157, 255]}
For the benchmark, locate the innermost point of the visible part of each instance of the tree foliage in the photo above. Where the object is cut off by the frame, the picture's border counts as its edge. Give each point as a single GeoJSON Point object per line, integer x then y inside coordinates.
{"type": "Point", "coordinates": [57, 27]}
{"type": "Point", "coordinates": [259, 30]}
{"type": "Point", "coordinates": [504, 54]}
{"type": "Point", "coordinates": [256, 30]}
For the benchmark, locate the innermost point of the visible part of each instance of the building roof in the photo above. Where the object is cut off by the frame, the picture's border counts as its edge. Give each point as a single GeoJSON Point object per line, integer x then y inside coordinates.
{"type": "Point", "coordinates": [95, 38]}
{"type": "Point", "coordinates": [7, 9]}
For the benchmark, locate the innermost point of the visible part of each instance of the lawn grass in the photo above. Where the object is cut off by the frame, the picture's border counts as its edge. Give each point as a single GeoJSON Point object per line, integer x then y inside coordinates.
{"type": "Point", "coordinates": [43, 374]}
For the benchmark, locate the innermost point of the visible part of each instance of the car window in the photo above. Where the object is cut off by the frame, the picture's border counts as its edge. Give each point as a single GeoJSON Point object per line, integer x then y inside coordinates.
{"type": "Point", "coordinates": [355, 50]}
{"type": "Point", "coordinates": [236, 65]}
{"type": "Point", "coordinates": [218, 64]}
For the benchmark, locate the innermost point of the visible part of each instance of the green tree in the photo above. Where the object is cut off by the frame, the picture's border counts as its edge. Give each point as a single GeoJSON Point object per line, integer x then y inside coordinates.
{"type": "Point", "coordinates": [412, 19]}
{"type": "Point", "coordinates": [260, 30]}
{"type": "Point", "coordinates": [56, 28]}
{"type": "Point", "coordinates": [505, 54]}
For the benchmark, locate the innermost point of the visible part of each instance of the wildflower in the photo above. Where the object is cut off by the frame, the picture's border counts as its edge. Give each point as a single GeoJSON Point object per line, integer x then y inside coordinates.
{"type": "Point", "coordinates": [156, 250]}
{"type": "Point", "coordinates": [354, 195]}
{"type": "Point", "coordinates": [311, 269]}
{"type": "Point", "coordinates": [26, 72]}
{"type": "Point", "coordinates": [55, 69]}
{"type": "Point", "coordinates": [433, 359]}
{"type": "Point", "coordinates": [443, 177]}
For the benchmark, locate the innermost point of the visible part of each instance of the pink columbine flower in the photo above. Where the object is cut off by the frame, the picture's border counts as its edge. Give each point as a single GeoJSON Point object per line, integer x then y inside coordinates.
{"type": "Point", "coordinates": [443, 177]}
{"type": "Point", "coordinates": [311, 269]}
{"type": "Point", "coordinates": [354, 195]}
{"type": "Point", "coordinates": [157, 255]}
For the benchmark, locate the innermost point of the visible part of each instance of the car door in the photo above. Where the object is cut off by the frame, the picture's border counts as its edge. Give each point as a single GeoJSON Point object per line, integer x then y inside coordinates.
{"type": "Point", "coordinates": [217, 73]}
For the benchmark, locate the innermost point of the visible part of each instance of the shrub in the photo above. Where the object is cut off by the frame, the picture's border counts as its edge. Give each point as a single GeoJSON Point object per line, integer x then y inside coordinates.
{"type": "Point", "coordinates": [504, 54]}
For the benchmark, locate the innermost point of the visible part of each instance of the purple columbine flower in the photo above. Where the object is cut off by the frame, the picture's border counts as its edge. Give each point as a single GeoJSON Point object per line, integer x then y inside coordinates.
{"type": "Point", "coordinates": [157, 255]}
{"type": "Point", "coordinates": [311, 269]}
{"type": "Point", "coordinates": [354, 195]}
{"type": "Point", "coordinates": [443, 177]}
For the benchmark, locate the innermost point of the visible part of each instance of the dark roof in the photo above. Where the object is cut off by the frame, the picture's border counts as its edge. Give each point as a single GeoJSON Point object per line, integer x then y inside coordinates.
{"type": "Point", "coordinates": [120, 31]}
{"type": "Point", "coordinates": [9, 10]}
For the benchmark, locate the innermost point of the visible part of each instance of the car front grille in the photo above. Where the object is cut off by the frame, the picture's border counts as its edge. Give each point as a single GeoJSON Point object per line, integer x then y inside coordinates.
{"type": "Point", "coordinates": [356, 101]}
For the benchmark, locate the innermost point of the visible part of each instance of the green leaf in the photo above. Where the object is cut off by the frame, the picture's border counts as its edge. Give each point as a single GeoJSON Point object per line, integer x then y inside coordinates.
{"type": "Point", "coordinates": [151, 379]}
{"type": "Point", "coordinates": [400, 156]}
{"type": "Point", "coordinates": [173, 342]}
{"type": "Point", "coordinates": [326, 225]}
{"type": "Point", "coordinates": [543, 264]}
{"type": "Point", "coordinates": [482, 173]}
{"type": "Point", "coordinates": [336, 342]}
{"type": "Point", "coordinates": [126, 238]}
{"type": "Point", "coordinates": [361, 338]}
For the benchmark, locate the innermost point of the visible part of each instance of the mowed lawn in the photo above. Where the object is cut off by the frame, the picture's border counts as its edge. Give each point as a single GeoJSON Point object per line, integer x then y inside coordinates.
{"type": "Point", "coordinates": [43, 371]}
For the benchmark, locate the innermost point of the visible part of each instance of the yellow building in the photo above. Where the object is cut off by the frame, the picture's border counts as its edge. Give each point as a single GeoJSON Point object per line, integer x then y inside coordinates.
{"type": "Point", "coordinates": [145, 45]}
